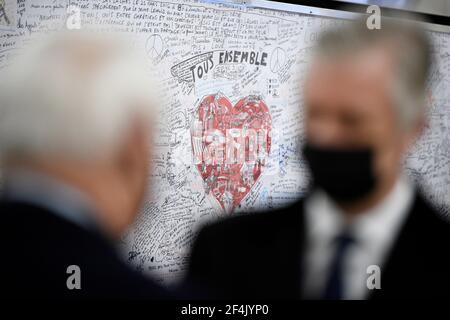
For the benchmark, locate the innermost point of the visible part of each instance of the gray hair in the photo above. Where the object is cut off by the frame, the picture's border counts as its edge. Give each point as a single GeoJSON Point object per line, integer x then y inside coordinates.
{"type": "Point", "coordinates": [410, 47]}
{"type": "Point", "coordinates": [72, 94]}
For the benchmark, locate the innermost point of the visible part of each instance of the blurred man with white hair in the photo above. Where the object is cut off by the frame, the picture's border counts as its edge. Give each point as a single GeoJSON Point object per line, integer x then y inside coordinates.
{"type": "Point", "coordinates": [363, 232]}
{"type": "Point", "coordinates": [75, 121]}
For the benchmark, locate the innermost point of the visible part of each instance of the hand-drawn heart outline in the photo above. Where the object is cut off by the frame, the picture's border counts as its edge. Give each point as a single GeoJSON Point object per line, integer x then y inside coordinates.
{"type": "Point", "coordinates": [214, 117]}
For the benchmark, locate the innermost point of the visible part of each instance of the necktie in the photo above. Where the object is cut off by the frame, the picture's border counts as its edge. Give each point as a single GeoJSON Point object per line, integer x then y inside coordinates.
{"type": "Point", "coordinates": [334, 284]}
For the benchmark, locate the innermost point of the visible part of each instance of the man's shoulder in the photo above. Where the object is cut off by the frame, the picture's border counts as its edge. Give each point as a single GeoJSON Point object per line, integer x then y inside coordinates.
{"type": "Point", "coordinates": [27, 221]}
{"type": "Point", "coordinates": [255, 224]}
{"type": "Point", "coordinates": [428, 218]}
{"type": "Point", "coordinates": [426, 232]}
{"type": "Point", "coordinates": [47, 244]}
{"type": "Point", "coordinates": [235, 255]}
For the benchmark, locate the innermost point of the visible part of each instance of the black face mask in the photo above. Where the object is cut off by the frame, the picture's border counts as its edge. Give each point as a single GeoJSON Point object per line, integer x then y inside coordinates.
{"type": "Point", "coordinates": [346, 175]}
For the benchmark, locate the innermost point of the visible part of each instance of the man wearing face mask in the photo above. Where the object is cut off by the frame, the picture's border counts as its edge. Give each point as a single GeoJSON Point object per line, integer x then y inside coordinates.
{"type": "Point", "coordinates": [363, 231]}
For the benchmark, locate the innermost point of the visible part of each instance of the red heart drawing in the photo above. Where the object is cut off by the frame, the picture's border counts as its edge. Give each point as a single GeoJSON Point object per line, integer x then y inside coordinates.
{"type": "Point", "coordinates": [230, 146]}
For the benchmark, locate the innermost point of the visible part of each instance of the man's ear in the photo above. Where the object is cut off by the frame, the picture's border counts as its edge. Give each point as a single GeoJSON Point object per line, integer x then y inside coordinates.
{"type": "Point", "coordinates": [416, 131]}
{"type": "Point", "coordinates": [129, 174]}
{"type": "Point", "coordinates": [421, 125]}
{"type": "Point", "coordinates": [134, 155]}
{"type": "Point", "coordinates": [422, 122]}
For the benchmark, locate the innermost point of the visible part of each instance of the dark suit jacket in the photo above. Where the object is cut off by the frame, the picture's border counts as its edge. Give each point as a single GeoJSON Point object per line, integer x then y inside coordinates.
{"type": "Point", "coordinates": [38, 246]}
{"type": "Point", "coordinates": [260, 256]}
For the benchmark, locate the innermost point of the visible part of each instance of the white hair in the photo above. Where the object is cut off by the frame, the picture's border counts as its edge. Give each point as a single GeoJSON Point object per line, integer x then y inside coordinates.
{"type": "Point", "coordinates": [410, 46]}
{"type": "Point", "coordinates": [74, 94]}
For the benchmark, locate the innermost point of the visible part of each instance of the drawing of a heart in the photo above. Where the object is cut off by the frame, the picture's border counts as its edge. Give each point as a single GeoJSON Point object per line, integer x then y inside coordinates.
{"type": "Point", "coordinates": [230, 145]}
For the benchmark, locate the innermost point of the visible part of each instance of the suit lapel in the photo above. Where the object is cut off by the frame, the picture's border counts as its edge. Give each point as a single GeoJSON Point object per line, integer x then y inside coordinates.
{"type": "Point", "coordinates": [405, 261]}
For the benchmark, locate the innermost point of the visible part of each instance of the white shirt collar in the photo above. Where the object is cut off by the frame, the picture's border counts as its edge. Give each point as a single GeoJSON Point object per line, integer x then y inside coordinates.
{"type": "Point", "coordinates": [377, 228]}
{"type": "Point", "coordinates": [326, 220]}
{"type": "Point", "coordinates": [374, 231]}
